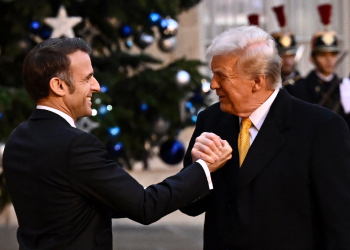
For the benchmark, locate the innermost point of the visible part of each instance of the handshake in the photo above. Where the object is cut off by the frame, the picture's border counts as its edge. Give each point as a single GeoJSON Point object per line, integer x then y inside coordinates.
{"type": "Point", "coordinates": [212, 149]}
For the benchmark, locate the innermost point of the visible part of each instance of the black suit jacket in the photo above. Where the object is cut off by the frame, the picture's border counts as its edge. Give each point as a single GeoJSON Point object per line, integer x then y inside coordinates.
{"type": "Point", "coordinates": [65, 188]}
{"type": "Point", "coordinates": [293, 189]}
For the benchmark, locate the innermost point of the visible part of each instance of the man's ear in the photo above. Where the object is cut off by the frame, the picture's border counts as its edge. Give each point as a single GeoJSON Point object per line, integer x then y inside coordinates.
{"type": "Point", "coordinates": [57, 86]}
{"type": "Point", "coordinates": [259, 83]}
{"type": "Point", "coordinates": [312, 60]}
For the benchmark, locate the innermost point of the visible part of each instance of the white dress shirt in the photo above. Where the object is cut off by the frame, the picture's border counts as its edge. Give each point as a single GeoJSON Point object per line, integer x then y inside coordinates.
{"type": "Point", "coordinates": [71, 122]}
{"type": "Point", "coordinates": [60, 113]}
{"type": "Point", "coordinates": [258, 116]}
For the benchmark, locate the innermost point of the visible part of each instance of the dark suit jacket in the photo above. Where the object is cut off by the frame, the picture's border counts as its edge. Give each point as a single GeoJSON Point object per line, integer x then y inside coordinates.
{"type": "Point", "coordinates": [64, 187]}
{"type": "Point", "coordinates": [293, 189]}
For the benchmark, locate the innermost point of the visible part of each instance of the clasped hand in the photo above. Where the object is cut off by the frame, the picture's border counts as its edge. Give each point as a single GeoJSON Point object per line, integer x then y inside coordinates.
{"type": "Point", "coordinates": [212, 149]}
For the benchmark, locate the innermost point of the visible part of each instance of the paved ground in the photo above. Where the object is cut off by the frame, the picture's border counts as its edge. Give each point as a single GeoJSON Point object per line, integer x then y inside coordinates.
{"type": "Point", "coordinates": [165, 237]}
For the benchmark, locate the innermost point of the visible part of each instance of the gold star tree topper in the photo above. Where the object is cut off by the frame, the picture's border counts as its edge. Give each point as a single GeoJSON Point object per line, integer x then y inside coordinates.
{"type": "Point", "coordinates": [62, 24]}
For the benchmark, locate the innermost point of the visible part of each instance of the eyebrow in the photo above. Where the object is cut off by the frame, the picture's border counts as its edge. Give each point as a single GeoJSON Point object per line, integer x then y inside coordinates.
{"type": "Point", "coordinates": [89, 76]}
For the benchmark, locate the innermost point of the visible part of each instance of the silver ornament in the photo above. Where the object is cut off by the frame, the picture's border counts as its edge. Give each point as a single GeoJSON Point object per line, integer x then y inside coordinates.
{"type": "Point", "coordinates": [86, 124]}
{"type": "Point", "coordinates": [205, 86]}
{"type": "Point", "coordinates": [143, 40]}
{"type": "Point", "coordinates": [167, 44]}
{"type": "Point", "coordinates": [171, 28]}
{"type": "Point", "coordinates": [161, 126]}
{"type": "Point", "coordinates": [183, 77]}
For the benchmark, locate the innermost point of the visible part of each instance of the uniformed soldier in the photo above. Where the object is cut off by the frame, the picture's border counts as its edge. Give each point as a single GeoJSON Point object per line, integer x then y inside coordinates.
{"type": "Point", "coordinates": [287, 49]}
{"type": "Point", "coordinates": [321, 86]}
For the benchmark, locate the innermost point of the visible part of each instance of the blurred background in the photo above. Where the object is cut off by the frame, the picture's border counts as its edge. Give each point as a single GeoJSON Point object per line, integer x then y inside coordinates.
{"type": "Point", "coordinates": [149, 58]}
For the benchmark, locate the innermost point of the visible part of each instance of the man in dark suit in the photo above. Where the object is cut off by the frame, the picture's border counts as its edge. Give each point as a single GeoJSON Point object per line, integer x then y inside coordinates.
{"type": "Point", "coordinates": [287, 185]}
{"type": "Point", "coordinates": [63, 185]}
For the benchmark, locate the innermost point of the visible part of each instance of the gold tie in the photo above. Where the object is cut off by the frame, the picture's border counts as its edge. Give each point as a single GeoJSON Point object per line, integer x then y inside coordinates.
{"type": "Point", "coordinates": [244, 140]}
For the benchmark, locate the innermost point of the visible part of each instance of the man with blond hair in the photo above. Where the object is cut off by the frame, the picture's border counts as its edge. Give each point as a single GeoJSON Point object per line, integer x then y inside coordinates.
{"type": "Point", "coordinates": [287, 185]}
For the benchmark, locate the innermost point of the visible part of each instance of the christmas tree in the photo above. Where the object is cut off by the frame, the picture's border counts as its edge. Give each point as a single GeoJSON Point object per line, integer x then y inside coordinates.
{"type": "Point", "coordinates": [143, 103]}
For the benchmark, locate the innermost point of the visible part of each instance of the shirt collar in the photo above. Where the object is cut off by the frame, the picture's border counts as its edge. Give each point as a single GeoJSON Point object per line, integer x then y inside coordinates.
{"type": "Point", "coordinates": [58, 112]}
{"type": "Point", "coordinates": [325, 78]}
{"type": "Point", "coordinates": [259, 115]}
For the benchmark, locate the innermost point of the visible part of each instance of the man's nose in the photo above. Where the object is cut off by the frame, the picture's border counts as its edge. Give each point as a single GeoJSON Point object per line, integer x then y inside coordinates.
{"type": "Point", "coordinates": [95, 86]}
{"type": "Point", "coordinates": [214, 84]}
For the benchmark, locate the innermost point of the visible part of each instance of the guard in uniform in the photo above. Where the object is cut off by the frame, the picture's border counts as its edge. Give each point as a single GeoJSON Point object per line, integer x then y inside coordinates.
{"type": "Point", "coordinates": [321, 86]}
{"type": "Point", "coordinates": [287, 49]}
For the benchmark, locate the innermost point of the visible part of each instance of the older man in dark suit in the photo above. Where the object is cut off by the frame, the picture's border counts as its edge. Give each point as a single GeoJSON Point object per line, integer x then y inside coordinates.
{"type": "Point", "coordinates": [287, 185]}
{"type": "Point", "coordinates": [64, 187]}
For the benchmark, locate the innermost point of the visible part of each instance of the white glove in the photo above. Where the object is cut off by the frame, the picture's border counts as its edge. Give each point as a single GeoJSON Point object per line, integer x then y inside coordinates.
{"type": "Point", "coordinates": [344, 88]}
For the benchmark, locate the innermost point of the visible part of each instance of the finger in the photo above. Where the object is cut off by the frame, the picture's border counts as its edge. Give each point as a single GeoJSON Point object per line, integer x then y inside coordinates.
{"type": "Point", "coordinates": [206, 150]}
{"type": "Point", "coordinates": [208, 143]}
{"type": "Point", "coordinates": [226, 150]}
{"type": "Point", "coordinates": [200, 155]}
{"type": "Point", "coordinates": [215, 138]}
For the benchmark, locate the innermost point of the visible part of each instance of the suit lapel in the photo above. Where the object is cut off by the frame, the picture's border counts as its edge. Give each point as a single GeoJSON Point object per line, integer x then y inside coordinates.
{"type": "Point", "coordinates": [269, 139]}
{"type": "Point", "coordinates": [229, 131]}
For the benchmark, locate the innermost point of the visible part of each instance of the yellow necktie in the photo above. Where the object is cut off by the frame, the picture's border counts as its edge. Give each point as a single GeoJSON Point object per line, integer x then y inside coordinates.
{"type": "Point", "coordinates": [244, 140]}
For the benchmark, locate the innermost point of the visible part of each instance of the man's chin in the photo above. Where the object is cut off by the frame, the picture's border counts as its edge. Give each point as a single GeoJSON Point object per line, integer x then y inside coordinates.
{"type": "Point", "coordinates": [225, 108]}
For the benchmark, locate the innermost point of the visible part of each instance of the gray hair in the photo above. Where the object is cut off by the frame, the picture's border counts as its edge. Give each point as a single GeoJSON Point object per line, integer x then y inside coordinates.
{"type": "Point", "coordinates": [257, 51]}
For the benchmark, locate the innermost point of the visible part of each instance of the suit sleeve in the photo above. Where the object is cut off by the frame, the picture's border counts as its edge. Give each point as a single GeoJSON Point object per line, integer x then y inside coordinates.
{"type": "Point", "coordinates": [330, 179]}
{"type": "Point", "coordinates": [96, 177]}
{"type": "Point", "coordinates": [199, 206]}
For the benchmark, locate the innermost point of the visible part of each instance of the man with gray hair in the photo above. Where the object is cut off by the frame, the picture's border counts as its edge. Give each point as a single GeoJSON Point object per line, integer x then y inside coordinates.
{"type": "Point", "coordinates": [287, 185]}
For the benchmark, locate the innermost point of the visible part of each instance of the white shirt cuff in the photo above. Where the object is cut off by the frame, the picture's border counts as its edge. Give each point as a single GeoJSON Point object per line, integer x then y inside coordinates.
{"type": "Point", "coordinates": [207, 172]}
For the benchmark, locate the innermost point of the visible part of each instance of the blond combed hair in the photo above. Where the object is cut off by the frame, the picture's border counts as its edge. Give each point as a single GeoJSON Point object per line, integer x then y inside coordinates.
{"type": "Point", "coordinates": [257, 53]}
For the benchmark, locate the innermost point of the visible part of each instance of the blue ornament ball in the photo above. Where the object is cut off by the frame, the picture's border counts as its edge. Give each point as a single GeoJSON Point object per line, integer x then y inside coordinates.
{"type": "Point", "coordinates": [45, 34]}
{"type": "Point", "coordinates": [35, 27]}
{"type": "Point", "coordinates": [115, 150]}
{"type": "Point", "coordinates": [154, 19]}
{"type": "Point", "coordinates": [172, 152]}
{"type": "Point", "coordinates": [125, 31]}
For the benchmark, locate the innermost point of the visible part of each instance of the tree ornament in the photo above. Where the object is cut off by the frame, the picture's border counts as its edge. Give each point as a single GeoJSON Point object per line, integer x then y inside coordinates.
{"type": "Point", "coordinates": [144, 107]}
{"type": "Point", "coordinates": [183, 77]}
{"type": "Point", "coordinates": [172, 152]}
{"type": "Point", "coordinates": [34, 27]}
{"type": "Point", "coordinates": [129, 43]}
{"type": "Point", "coordinates": [154, 19]}
{"type": "Point", "coordinates": [143, 40]}
{"type": "Point", "coordinates": [125, 31]}
{"type": "Point", "coordinates": [86, 124]}
{"type": "Point", "coordinates": [114, 131]}
{"type": "Point", "coordinates": [115, 150]}
{"type": "Point", "coordinates": [168, 27]}
{"type": "Point", "coordinates": [167, 44]}
{"type": "Point", "coordinates": [62, 24]}
{"type": "Point", "coordinates": [102, 110]}
{"type": "Point", "coordinates": [45, 33]}
{"type": "Point", "coordinates": [205, 86]}
{"type": "Point", "coordinates": [88, 32]}
{"type": "Point", "coordinates": [161, 126]}
{"type": "Point", "coordinates": [104, 88]}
